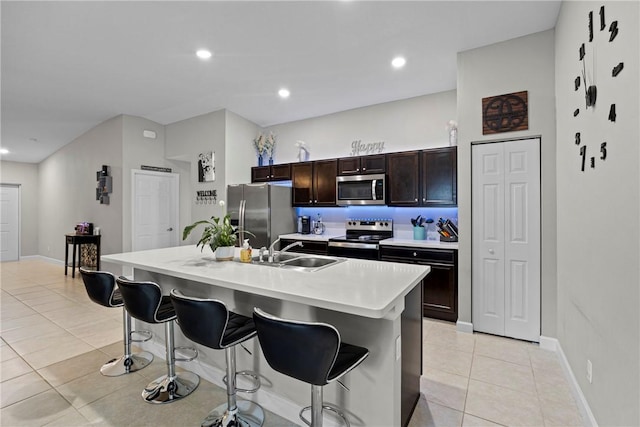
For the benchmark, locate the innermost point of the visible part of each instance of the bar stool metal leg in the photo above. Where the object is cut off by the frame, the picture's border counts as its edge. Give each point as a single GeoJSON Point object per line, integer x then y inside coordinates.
{"type": "Point", "coordinates": [172, 386]}
{"type": "Point", "coordinates": [234, 413]}
{"type": "Point", "coordinates": [317, 407]}
{"type": "Point", "coordinates": [129, 362]}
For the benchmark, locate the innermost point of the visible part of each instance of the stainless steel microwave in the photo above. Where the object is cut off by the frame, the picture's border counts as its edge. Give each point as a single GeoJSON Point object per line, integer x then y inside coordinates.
{"type": "Point", "coordinates": [360, 190]}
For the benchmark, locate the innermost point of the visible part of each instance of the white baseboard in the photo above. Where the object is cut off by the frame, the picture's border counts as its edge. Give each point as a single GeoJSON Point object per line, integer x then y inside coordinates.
{"type": "Point", "coordinates": [464, 327]}
{"type": "Point", "coordinates": [43, 258]}
{"type": "Point", "coordinates": [581, 401]}
{"type": "Point", "coordinates": [548, 343]}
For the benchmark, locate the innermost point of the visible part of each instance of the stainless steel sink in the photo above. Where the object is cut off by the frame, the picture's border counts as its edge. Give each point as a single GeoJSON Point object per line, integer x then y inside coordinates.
{"type": "Point", "coordinates": [300, 262]}
{"type": "Point", "coordinates": [277, 258]}
{"type": "Point", "coordinates": [310, 262]}
{"type": "Point", "coordinates": [283, 257]}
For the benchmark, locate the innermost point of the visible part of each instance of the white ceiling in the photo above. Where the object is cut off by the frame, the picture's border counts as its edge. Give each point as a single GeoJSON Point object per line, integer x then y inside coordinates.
{"type": "Point", "coordinates": [68, 66]}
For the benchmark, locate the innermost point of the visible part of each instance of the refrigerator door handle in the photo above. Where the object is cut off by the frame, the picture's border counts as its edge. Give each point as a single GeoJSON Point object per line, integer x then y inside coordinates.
{"type": "Point", "coordinates": [241, 218]}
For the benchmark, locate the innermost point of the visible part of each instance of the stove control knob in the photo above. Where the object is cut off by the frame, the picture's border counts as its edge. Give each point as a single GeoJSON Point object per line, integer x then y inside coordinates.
{"type": "Point", "coordinates": [386, 224]}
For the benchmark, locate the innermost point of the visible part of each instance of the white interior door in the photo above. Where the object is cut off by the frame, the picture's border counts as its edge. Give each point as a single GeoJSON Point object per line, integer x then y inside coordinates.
{"type": "Point", "coordinates": [506, 238]}
{"type": "Point", "coordinates": [488, 238]}
{"type": "Point", "coordinates": [9, 222]}
{"type": "Point", "coordinates": [155, 210]}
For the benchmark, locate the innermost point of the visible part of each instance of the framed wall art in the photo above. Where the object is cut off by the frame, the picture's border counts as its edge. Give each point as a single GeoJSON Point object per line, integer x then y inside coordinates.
{"type": "Point", "coordinates": [206, 167]}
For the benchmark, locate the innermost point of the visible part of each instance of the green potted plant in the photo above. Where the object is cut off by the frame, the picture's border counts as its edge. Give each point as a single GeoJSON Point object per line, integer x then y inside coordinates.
{"type": "Point", "coordinates": [218, 234]}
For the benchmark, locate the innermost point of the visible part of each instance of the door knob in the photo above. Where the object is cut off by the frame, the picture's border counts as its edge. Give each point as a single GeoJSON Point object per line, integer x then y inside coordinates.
{"type": "Point", "coordinates": [170, 229]}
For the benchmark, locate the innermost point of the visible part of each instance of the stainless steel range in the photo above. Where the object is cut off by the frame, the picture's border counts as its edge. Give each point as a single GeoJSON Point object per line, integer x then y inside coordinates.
{"type": "Point", "coordinates": [361, 240]}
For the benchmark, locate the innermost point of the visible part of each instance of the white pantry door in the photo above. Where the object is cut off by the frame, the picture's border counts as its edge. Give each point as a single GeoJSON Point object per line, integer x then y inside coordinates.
{"type": "Point", "coordinates": [155, 210]}
{"type": "Point", "coordinates": [506, 238]}
{"type": "Point", "coordinates": [9, 222]}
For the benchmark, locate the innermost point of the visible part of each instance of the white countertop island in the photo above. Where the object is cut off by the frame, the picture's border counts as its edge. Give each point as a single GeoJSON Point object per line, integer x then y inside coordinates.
{"type": "Point", "coordinates": [377, 305]}
{"type": "Point", "coordinates": [360, 287]}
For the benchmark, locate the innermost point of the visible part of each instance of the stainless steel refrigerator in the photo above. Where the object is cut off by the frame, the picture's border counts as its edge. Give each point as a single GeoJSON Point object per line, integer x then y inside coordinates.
{"type": "Point", "coordinates": [263, 209]}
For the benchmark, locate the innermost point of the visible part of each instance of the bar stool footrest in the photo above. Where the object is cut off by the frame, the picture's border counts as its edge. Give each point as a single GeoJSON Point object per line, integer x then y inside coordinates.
{"type": "Point", "coordinates": [186, 358]}
{"type": "Point", "coordinates": [124, 365]}
{"type": "Point", "coordinates": [328, 407]}
{"type": "Point", "coordinates": [247, 414]}
{"type": "Point", "coordinates": [145, 335]}
{"type": "Point", "coordinates": [168, 389]}
{"type": "Point", "coordinates": [250, 374]}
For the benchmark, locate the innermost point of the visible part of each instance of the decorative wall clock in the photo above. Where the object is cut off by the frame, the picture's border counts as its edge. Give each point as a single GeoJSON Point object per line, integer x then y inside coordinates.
{"type": "Point", "coordinates": [590, 68]}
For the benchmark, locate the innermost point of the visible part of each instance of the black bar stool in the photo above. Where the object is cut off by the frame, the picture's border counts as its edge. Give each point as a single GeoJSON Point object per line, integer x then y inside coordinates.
{"type": "Point", "coordinates": [311, 352]}
{"type": "Point", "coordinates": [144, 300]}
{"type": "Point", "coordinates": [208, 322]}
{"type": "Point", "coordinates": [101, 288]}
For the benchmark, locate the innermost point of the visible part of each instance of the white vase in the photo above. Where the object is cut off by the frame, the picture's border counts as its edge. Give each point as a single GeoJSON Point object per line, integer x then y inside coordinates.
{"type": "Point", "coordinates": [224, 253]}
{"type": "Point", "coordinates": [453, 137]}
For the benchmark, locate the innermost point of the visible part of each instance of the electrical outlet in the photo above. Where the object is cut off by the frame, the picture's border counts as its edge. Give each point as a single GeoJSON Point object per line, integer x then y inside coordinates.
{"type": "Point", "coordinates": [589, 371]}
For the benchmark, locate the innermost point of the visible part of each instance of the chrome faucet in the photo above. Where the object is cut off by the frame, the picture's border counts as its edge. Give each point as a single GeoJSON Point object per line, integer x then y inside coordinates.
{"type": "Point", "coordinates": [286, 248]}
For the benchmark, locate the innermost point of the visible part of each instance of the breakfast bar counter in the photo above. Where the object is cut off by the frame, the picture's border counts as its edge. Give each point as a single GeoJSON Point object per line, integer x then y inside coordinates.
{"type": "Point", "coordinates": [373, 304]}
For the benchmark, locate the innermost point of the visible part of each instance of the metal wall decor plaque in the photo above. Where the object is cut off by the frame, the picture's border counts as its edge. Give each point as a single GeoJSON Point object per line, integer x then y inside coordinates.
{"type": "Point", "coordinates": [505, 113]}
{"type": "Point", "coordinates": [359, 148]}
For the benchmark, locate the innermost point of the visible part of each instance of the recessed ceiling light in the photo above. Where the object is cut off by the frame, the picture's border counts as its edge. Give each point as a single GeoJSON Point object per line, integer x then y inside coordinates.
{"type": "Point", "coordinates": [284, 93]}
{"type": "Point", "coordinates": [398, 62]}
{"type": "Point", "coordinates": [4, 151]}
{"type": "Point", "coordinates": [203, 54]}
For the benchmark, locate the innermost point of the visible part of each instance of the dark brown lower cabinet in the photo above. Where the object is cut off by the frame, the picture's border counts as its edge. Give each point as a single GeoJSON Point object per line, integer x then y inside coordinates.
{"type": "Point", "coordinates": [440, 287]}
{"type": "Point", "coordinates": [309, 247]}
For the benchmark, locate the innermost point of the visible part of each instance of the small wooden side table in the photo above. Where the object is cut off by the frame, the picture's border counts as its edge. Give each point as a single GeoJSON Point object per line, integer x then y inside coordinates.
{"type": "Point", "coordinates": [77, 240]}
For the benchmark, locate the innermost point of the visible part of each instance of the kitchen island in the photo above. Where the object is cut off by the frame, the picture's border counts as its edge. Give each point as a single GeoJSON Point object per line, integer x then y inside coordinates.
{"type": "Point", "coordinates": [373, 304]}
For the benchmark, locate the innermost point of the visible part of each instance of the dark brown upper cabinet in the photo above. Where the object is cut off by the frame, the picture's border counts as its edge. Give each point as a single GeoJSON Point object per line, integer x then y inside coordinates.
{"type": "Point", "coordinates": [425, 178]}
{"type": "Point", "coordinates": [403, 184]}
{"type": "Point", "coordinates": [324, 182]}
{"type": "Point", "coordinates": [314, 183]}
{"type": "Point", "coordinates": [280, 172]}
{"type": "Point", "coordinates": [302, 184]}
{"type": "Point", "coordinates": [439, 177]}
{"type": "Point", "coordinates": [362, 165]}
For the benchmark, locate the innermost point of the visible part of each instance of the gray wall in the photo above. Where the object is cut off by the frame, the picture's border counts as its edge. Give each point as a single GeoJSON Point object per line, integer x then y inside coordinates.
{"type": "Point", "coordinates": [525, 63]}
{"type": "Point", "coordinates": [598, 275]}
{"type": "Point", "coordinates": [67, 190]}
{"type": "Point", "coordinates": [184, 141]}
{"type": "Point", "coordinates": [408, 124]}
{"type": "Point", "coordinates": [25, 174]}
{"type": "Point", "coordinates": [137, 151]}
{"type": "Point", "coordinates": [239, 152]}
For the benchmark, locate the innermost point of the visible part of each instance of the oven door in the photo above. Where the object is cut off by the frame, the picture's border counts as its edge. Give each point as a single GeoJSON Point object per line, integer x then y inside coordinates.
{"type": "Point", "coordinates": [353, 250]}
{"type": "Point", "coordinates": [360, 190]}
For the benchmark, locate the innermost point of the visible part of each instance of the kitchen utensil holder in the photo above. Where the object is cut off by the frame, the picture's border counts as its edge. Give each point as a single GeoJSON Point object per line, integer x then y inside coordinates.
{"type": "Point", "coordinates": [419, 233]}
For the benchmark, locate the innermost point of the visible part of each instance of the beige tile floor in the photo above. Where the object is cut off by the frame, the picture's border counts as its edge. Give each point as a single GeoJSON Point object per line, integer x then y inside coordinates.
{"type": "Point", "coordinates": [54, 340]}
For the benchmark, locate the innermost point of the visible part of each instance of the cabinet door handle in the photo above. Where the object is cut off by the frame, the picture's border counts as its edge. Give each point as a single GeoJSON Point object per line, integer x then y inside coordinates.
{"type": "Point", "coordinates": [364, 169]}
{"type": "Point", "coordinates": [358, 169]}
{"type": "Point", "coordinates": [424, 199]}
{"type": "Point", "coordinates": [415, 254]}
{"type": "Point", "coordinates": [416, 200]}
{"type": "Point", "coordinates": [310, 201]}
{"type": "Point", "coordinates": [491, 251]}
{"type": "Point", "coordinates": [170, 229]}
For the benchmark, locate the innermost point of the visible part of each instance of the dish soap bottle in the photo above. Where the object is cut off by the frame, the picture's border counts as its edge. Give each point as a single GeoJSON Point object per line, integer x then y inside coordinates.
{"type": "Point", "coordinates": [245, 252]}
